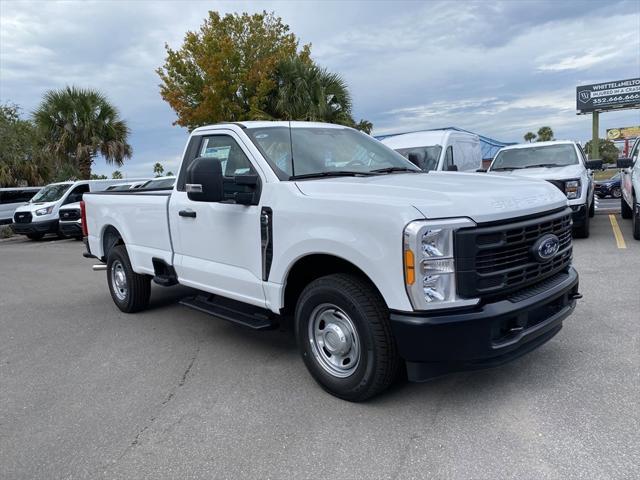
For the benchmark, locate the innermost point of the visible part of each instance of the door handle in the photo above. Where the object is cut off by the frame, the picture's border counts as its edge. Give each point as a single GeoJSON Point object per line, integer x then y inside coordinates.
{"type": "Point", "coordinates": [187, 213]}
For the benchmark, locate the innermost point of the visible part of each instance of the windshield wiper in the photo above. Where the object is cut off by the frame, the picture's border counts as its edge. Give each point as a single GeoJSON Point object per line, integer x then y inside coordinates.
{"type": "Point", "coordinates": [396, 169]}
{"type": "Point", "coordinates": [505, 168]}
{"type": "Point", "coordinates": [540, 165]}
{"type": "Point", "coordinates": [333, 173]}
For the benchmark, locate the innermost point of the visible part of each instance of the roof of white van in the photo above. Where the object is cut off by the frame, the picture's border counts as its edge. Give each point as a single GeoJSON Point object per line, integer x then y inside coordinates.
{"type": "Point", "coordinates": [263, 124]}
{"type": "Point", "coordinates": [538, 144]}
{"type": "Point", "coordinates": [421, 139]}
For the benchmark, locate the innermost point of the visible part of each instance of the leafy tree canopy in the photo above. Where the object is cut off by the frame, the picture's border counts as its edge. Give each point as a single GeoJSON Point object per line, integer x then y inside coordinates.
{"type": "Point", "coordinates": [529, 137]}
{"type": "Point", "coordinates": [608, 150]}
{"type": "Point", "coordinates": [545, 134]}
{"type": "Point", "coordinates": [117, 174]}
{"type": "Point", "coordinates": [158, 169]}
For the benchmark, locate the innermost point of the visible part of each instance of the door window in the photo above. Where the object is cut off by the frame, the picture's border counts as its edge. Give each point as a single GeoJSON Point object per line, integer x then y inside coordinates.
{"type": "Point", "coordinates": [226, 149]}
{"type": "Point", "coordinates": [76, 194]}
{"type": "Point", "coordinates": [448, 157]}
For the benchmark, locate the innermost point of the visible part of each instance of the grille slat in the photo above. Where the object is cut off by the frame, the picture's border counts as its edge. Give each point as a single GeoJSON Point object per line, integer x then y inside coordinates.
{"type": "Point", "coordinates": [70, 214]}
{"type": "Point", "coordinates": [497, 260]}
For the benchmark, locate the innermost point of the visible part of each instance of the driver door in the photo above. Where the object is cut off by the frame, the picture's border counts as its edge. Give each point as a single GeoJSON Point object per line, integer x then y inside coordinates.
{"type": "Point", "coordinates": [217, 245]}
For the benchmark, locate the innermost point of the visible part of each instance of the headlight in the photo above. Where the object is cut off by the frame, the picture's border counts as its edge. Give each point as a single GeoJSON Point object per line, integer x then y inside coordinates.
{"type": "Point", "coordinates": [429, 264]}
{"type": "Point", "coordinates": [572, 189]}
{"type": "Point", "coordinates": [45, 211]}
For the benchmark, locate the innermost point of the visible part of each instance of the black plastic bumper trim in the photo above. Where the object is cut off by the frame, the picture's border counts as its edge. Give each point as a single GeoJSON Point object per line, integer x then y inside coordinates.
{"type": "Point", "coordinates": [46, 226]}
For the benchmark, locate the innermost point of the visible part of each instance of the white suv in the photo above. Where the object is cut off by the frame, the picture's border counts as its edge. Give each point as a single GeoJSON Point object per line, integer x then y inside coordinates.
{"type": "Point", "coordinates": [562, 163]}
{"type": "Point", "coordinates": [630, 185]}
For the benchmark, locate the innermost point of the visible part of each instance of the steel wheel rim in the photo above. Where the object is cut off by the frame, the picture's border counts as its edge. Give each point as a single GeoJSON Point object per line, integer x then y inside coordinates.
{"type": "Point", "coordinates": [119, 280]}
{"type": "Point", "coordinates": [334, 340]}
{"type": "Point", "coordinates": [617, 193]}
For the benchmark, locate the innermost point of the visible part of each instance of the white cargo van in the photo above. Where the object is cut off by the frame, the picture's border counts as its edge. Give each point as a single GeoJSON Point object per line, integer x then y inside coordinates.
{"type": "Point", "coordinates": [41, 215]}
{"type": "Point", "coordinates": [439, 149]}
{"type": "Point", "coordinates": [12, 198]}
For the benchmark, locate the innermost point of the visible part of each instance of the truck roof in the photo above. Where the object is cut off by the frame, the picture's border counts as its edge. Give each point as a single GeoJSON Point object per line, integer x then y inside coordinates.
{"type": "Point", "coordinates": [423, 139]}
{"type": "Point", "coordinates": [266, 124]}
{"type": "Point", "coordinates": [539, 144]}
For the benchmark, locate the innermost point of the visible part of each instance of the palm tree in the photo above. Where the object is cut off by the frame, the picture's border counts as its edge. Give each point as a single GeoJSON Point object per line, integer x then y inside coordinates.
{"type": "Point", "coordinates": [545, 134]}
{"type": "Point", "coordinates": [305, 91]}
{"type": "Point", "coordinates": [158, 169]}
{"type": "Point", "coordinates": [80, 124]}
{"type": "Point", "coordinates": [117, 174]}
{"type": "Point", "coordinates": [529, 137]}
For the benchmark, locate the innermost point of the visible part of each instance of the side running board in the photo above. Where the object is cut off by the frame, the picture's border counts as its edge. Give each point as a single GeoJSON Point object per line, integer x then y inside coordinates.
{"type": "Point", "coordinates": [248, 316]}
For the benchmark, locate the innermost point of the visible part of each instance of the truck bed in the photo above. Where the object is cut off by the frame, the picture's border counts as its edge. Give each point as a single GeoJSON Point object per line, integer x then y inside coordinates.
{"type": "Point", "coordinates": [139, 217]}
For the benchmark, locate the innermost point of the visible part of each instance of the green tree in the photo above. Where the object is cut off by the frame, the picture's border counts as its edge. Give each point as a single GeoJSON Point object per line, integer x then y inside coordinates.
{"type": "Point", "coordinates": [529, 137]}
{"type": "Point", "coordinates": [224, 71]}
{"type": "Point", "coordinates": [364, 126]}
{"type": "Point", "coordinates": [545, 134]}
{"type": "Point", "coordinates": [22, 161]}
{"type": "Point", "coordinates": [608, 150]}
{"type": "Point", "coordinates": [158, 169]}
{"type": "Point", "coordinates": [117, 174]}
{"type": "Point", "coordinates": [98, 177]}
{"type": "Point", "coordinates": [170, 173]}
{"type": "Point", "coordinates": [80, 124]}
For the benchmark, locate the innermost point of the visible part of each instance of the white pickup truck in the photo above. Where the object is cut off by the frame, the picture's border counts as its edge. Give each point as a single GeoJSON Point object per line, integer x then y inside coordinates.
{"type": "Point", "coordinates": [378, 263]}
{"type": "Point", "coordinates": [630, 186]}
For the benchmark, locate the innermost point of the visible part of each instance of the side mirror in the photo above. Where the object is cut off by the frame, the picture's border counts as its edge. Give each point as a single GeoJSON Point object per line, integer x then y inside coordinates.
{"type": "Point", "coordinates": [625, 163]}
{"type": "Point", "coordinates": [481, 170]}
{"type": "Point", "coordinates": [452, 168]}
{"type": "Point", "coordinates": [204, 180]}
{"type": "Point", "coordinates": [594, 164]}
{"type": "Point", "coordinates": [414, 158]}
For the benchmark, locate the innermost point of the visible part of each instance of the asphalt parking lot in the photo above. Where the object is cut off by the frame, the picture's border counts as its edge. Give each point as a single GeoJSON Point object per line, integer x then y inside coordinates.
{"type": "Point", "coordinates": [89, 392]}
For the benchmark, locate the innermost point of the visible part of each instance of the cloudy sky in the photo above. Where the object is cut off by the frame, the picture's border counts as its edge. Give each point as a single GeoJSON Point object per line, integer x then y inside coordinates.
{"type": "Point", "coordinates": [496, 68]}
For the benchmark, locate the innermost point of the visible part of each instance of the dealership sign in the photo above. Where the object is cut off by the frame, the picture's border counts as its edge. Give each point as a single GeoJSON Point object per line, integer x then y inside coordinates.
{"type": "Point", "coordinates": [601, 97]}
{"type": "Point", "coordinates": [624, 133]}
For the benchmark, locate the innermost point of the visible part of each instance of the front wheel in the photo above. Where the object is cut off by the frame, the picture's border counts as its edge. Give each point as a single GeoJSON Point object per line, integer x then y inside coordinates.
{"type": "Point", "coordinates": [130, 291]}
{"type": "Point", "coordinates": [625, 209]}
{"type": "Point", "coordinates": [583, 230]}
{"type": "Point", "coordinates": [35, 236]}
{"type": "Point", "coordinates": [616, 192]}
{"type": "Point", "coordinates": [345, 338]}
{"type": "Point", "coordinates": [592, 208]}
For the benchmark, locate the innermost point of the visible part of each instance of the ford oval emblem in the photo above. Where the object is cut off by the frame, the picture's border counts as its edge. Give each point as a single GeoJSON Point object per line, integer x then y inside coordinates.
{"type": "Point", "coordinates": [545, 248]}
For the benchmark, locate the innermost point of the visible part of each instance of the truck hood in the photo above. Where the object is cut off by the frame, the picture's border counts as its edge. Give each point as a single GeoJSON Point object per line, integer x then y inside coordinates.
{"type": "Point", "coordinates": [481, 197]}
{"type": "Point", "coordinates": [552, 173]}
{"type": "Point", "coordinates": [32, 207]}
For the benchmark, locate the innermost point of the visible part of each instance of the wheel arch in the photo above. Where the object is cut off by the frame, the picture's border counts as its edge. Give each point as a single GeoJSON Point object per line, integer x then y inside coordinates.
{"type": "Point", "coordinates": [110, 238]}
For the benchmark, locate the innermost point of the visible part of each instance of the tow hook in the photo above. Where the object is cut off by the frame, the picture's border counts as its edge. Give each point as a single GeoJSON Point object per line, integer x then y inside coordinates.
{"type": "Point", "coordinates": [575, 296]}
{"type": "Point", "coordinates": [99, 267]}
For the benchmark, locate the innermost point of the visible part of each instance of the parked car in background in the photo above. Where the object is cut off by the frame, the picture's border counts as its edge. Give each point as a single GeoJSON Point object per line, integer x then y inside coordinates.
{"type": "Point", "coordinates": [12, 198]}
{"type": "Point", "coordinates": [447, 150]}
{"type": "Point", "coordinates": [159, 183]}
{"type": "Point", "coordinates": [377, 262]}
{"type": "Point", "coordinates": [41, 215]}
{"type": "Point", "coordinates": [125, 186]}
{"type": "Point", "coordinates": [562, 163]}
{"type": "Point", "coordinates": [609, 187]}
{"type": "Point", "coordinates": [630, 186]}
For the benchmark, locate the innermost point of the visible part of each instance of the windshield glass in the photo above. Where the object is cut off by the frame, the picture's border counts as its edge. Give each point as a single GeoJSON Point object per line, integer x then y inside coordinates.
{"type": "Point", "coordinates": [318, 150]}
{"type": "Point", "coordinates": [427, 156]}
{"type": "Point", "coordinates": [51, 193]}
{"type": "Point", "coordinates": [546, 156]}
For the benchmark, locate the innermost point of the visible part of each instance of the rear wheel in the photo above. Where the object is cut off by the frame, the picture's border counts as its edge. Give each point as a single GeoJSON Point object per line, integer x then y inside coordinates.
{"type": "Point", "coordinates": [344, 336]}
{"type": "Point", "coordinates": [130, 291]}
{"type": "Point", "coordinates": [625, 209]}
{"type": "Point", "coordinates": [616, 192]}
{"type": "Point", "coordinates": [35, 236]}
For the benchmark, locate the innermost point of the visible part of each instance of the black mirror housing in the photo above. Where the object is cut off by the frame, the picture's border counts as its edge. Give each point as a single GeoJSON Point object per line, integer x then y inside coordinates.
{"type": "Point", "coordinates": [594, 164]}
{"type": "Point", "coordinates": [204, 180]}
{"type": "Point", "coordinates": [625, 163]}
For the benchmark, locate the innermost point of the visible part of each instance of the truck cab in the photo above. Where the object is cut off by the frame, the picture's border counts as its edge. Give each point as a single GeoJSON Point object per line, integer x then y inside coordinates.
{"type": "Point", "coordinates": [561, 163]}
{"type": "Point", "coordinates": [439, 150]}
{"type": "Point", "coordinates": [630, 186]}
{"type": "Point", "coordinates": [375, 262]}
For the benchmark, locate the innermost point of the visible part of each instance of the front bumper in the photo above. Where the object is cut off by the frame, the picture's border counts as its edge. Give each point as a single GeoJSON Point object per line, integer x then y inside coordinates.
{"type": "Point", "coordinates": [434, 344]}
{"type": "Point", "coordinates": [46, 226]}
{"type": "Point", "coordinates": [71, 229]}
{"type": "Point", "coordinates": [579, 214]}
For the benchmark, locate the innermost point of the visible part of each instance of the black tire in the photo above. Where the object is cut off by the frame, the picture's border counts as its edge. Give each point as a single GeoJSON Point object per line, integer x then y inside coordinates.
{"type": "Point", "coordinates": [636, 219]}
{"type": "Point", "coordinates": [137, 288]}
{"type": "Point", "coordinates": [583, 231]}
{"type": "Point", "coordinates": [35, 236]}
{"type": "Point", "coordinates": [592, 208]}
{"type": "Point", "coordinates": [625, 209]}
{"type": "Point", "coordinates": [377, 363]}
{"type": "Point", "coordinates": [616, 192]}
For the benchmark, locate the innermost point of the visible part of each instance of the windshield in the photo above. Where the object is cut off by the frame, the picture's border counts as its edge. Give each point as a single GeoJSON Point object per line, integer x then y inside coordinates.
{"type": "Point", "coordinates": [546, 156]}
{"type": "Point", "coordinates": [427, 157]}
{"type": "Point", "coordinates": [324, 151]}
{"type": "Point", "coordinates": [51, 193]}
